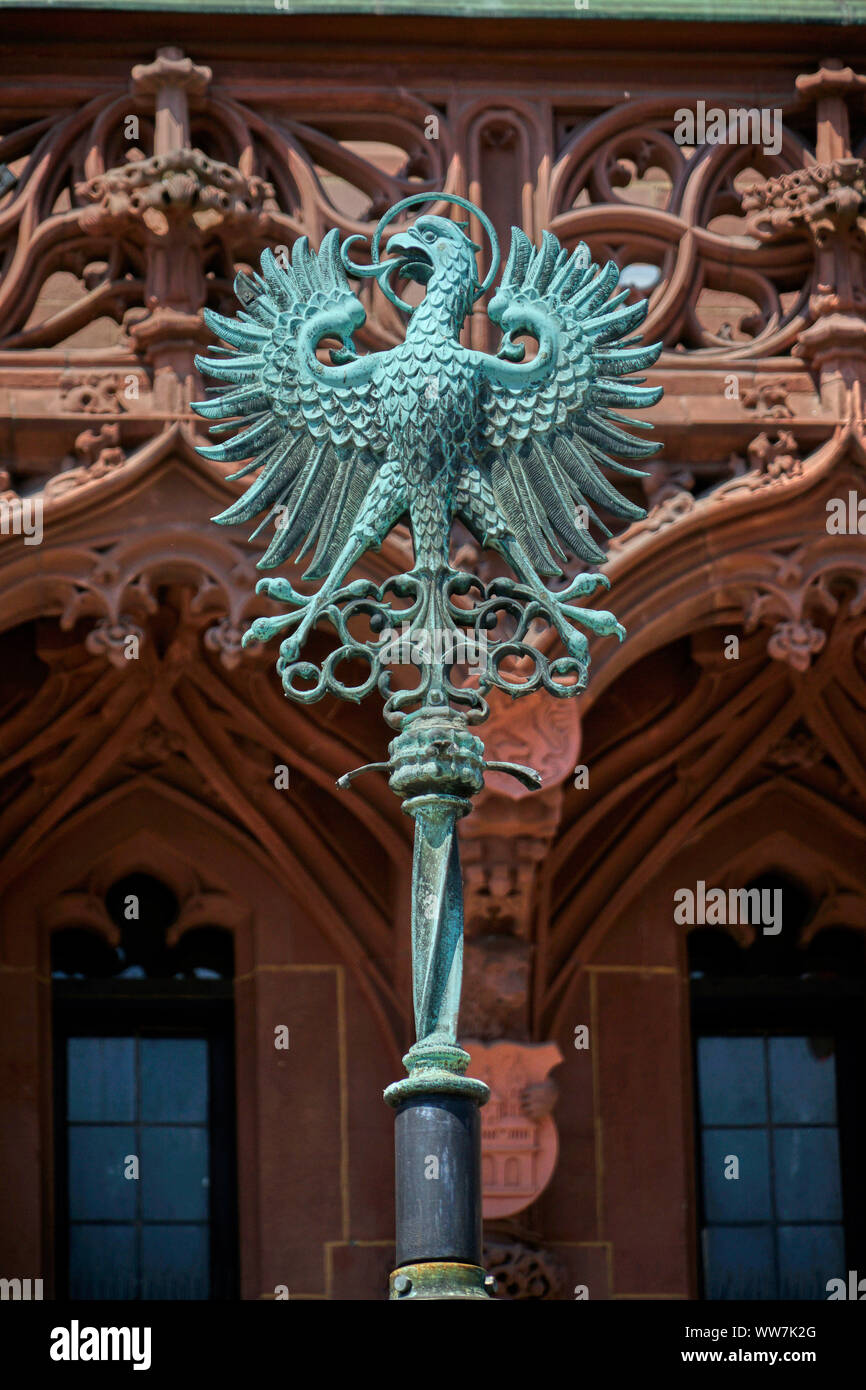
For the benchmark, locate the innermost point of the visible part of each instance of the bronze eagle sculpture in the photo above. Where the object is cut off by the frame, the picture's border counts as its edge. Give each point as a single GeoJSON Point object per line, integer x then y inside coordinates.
{"type": "Point", "coordinates": [432, 430]}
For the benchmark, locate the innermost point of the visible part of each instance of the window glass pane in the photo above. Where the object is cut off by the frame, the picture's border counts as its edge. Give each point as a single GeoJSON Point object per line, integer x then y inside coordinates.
{"type": "Point", "coordinates": [102, 1262]}
{"type": "Point", "coordinates": [174, 1079]}
{"type": "Point", "coordinates": [807, 1174]}
{"type": "Point", "coordinates": [101, 1078]}
{"type": "Point", "coordinates": [731, 1081]}
{"type": "Point", "coordinates": [802, 1085]}
{"type": "Point", "coordinates": [146, 1236]}
{"type": "Point", "coordinates": [174, 1174]}
{"type": "Point", "coordinates": [742, 1198]}
{"type": "Point", "coordinates": [808, 1257]}
{"type": "Point", "coordinates": [97, 1188]}
{"type": "Point", "coordinates": [738, 1262]}
{"type": "Point", "coordinates": [175, 1262]}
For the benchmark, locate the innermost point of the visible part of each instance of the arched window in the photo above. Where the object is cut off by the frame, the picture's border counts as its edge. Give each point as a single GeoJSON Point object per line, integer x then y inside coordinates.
{"type": "Point", "coordinates": [778, 1034]}
{"type": "Point", "coordinates": [144, 1104]}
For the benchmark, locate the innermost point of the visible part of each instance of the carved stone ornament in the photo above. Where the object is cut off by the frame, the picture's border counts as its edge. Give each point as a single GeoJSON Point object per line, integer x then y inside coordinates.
{"type": "Point", "coordinates": [796, 596]}
{"type": "Point", "coordinates": [519, 1142]}
{"type": "Point", "coordinates": [666, 513]}
{"type": "Point", "coordinates": [181, 184]}
{"type": "Point", "coordinates": [523, 1270]}
{"type": "Point", "coordinates": [822, 199]}
{"type": "Point", "coordinates": [547, 735]}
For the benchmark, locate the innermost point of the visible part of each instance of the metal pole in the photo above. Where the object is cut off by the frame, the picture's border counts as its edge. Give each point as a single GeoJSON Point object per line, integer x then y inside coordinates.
{"type": "Point", "coordinates": [436, 766]}
{"type": "Point", "coordinates": [438, 1151]}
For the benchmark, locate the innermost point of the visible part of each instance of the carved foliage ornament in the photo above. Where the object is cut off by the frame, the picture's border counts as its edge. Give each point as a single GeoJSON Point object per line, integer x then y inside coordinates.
{"type": "Point", "coordinates": [523, 1270]}
{"type": "Point", "coordinates": [821, 199]}
{"type": "Point", "coordinates": [801, 600]}
{"type": "Point", "coordinates": [174, 186]}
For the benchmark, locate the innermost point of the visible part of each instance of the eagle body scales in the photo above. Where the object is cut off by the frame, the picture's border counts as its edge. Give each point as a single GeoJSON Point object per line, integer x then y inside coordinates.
{"type": "Point", "coordinates": [431, 387]}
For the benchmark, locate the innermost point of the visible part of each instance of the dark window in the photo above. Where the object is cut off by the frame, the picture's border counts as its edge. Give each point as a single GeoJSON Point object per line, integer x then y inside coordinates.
{"type": "Point", "coordinates": [770, 1166]}
{"type": "Point", "coordinates": [144, 1110]}
{"type": "Point", "coordinates": [779, 1065]}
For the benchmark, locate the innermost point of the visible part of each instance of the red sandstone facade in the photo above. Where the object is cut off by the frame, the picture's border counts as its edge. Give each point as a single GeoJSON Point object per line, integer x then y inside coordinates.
{"type": "Point", "coordinates": [248, 134]}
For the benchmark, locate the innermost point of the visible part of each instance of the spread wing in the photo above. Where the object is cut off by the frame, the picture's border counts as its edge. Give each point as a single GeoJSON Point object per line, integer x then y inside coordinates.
{"type": "Point", "coordinates": [551, 437]}
{"type": "Point", "coordinates": [313, 435]}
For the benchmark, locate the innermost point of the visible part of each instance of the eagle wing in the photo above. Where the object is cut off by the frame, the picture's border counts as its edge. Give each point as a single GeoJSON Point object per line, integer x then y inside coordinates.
{"type": "Point", "coordinates": [549, 439]}
{"type": "Point", "coordinates": [314, 436]}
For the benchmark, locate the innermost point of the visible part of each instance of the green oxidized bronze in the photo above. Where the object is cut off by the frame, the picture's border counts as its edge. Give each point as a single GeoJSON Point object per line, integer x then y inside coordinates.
{"type": "Point", "coordinates": [341, 451]}
{"type": "Point", "coordinates": [441, 1279]}
{"type": "Point", "coordinates": [435, 431]}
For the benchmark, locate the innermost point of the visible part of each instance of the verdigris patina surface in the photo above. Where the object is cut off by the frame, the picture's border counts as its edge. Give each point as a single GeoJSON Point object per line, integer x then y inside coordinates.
{"type": "Point", "coordinates": [515, 449]}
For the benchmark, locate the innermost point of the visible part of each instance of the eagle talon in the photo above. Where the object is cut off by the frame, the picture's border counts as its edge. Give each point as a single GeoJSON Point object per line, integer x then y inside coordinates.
{"type": "Point", "coordinates": [587, 583]}
{"type": "Point", "coordinates": [290, 651]}
{"type": "Point", "coordinates": [577, 647]}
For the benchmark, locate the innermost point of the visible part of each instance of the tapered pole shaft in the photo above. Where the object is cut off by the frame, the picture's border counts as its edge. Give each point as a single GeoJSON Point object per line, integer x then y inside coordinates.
{"type": "Point", "coordinates": [437, 765]}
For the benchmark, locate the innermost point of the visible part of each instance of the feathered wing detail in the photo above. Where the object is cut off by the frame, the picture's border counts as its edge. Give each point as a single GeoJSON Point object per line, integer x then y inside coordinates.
{"type": "Point", "coordinates": [315, 440]}
{"type": "Point", "coordinates": [549, 440]}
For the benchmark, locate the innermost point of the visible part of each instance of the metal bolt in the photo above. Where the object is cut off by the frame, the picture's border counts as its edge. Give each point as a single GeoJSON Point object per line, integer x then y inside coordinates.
{"type": "Point", "coordinates": [402, 1283]}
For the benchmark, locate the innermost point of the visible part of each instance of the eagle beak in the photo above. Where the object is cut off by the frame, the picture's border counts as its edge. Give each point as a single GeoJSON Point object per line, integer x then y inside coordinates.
{"type": "Point", "coordinates": [402, 241]}
{"type": "Point", "coordinates": [415, 262]}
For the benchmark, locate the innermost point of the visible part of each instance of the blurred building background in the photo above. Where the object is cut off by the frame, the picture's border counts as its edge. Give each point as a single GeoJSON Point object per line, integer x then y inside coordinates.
{"type": "Point", "coordinates": [204, 960]}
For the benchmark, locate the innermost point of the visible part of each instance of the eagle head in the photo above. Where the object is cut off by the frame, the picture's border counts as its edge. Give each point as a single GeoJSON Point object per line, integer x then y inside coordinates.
{"type": "Point", "coordinates": [433, 245]}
